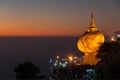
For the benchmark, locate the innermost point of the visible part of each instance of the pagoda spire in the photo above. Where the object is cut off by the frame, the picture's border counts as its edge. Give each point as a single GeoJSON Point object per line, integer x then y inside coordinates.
{"type": "Point", "coordinates": [92, 27]}
{"type": "Point", "coordinates": [92, 24]}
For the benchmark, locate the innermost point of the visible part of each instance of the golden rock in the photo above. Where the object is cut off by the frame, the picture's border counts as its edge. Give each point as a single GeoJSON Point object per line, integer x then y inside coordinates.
{"type": "Point", "coordinates": [90, 42]}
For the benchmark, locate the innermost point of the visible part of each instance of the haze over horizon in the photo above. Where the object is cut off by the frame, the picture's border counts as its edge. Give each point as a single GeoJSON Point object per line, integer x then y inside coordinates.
{"type": "Point", "coordinates": [57, 18]}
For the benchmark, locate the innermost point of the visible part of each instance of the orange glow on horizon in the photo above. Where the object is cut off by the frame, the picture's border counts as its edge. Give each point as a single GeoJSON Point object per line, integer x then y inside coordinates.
{"type": "Point", "coordinates": [25, 32]}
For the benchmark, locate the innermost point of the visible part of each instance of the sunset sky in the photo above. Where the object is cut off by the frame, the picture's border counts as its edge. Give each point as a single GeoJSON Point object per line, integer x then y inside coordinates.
{"type": "Point", "coordinates": [57, 17]}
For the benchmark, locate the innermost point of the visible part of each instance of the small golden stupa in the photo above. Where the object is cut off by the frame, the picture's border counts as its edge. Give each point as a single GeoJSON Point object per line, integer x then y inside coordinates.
{"type": "Point", "coordinates": [90, 42]}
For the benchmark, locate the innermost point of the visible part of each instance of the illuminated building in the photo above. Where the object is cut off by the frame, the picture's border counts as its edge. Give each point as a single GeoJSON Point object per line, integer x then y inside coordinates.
{"type": "Point", "coordinates": [66, 61]}
{"type": "Point", "coordinates": [61, 68]}
{"type": "Point", "coordinates": [117, 34]}
{"type": "Point", "coordinates": [90, 42]}
{"type": "Point", "coordinates": [116, 37]}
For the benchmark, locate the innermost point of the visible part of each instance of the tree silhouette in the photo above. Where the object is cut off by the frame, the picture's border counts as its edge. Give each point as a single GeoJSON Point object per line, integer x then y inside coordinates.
{"type": "Point", "coordinates": [73, 72]}
{"type": "Point", "coordinates": [26, 71]}
{"type": "Point", "coordinates": [108, 67]}
{"type": "Point", "coordinates": [108, 48]}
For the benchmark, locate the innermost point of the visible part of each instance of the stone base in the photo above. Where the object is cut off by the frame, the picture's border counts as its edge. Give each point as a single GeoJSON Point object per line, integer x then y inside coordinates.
{"type": "Point", "coordinates": [90, 59]}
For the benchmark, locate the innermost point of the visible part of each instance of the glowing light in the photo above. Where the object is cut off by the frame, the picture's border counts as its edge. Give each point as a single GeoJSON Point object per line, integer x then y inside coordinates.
{"type": "Point", "coordinates": [57, 57]}
{"type": "Point", "coordinates": [63, 65]}
{"type": "Point", "coordinates": [63, 59]}
{"type": "Point", "coordinates": [56, 61]}
{"type": "Point", "coordinates": [89, 70]}
{"type": "Point", "coordinates": [70, 58]}
{"type": "Point", "coordinates": [55, 64]}
{"type": "Point", "coordinates": [50, 60]}
{"type": "Point", "coordinates": [75, 61]}
{"type": "Point", "coordinates": [118, 35]}
{"type": "Point", "coordinates": [66, 62]}
{"type": "Point", "coordinates": [60, 63]}
{"type": "Point", "coordinates": [75, 57]}
{"type": "Point", "coordinates": [113, 39]}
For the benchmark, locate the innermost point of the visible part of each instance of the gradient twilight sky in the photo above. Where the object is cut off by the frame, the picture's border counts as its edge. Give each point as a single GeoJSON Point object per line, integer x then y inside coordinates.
{"type": "Point", "coordinates": [57, 17]}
